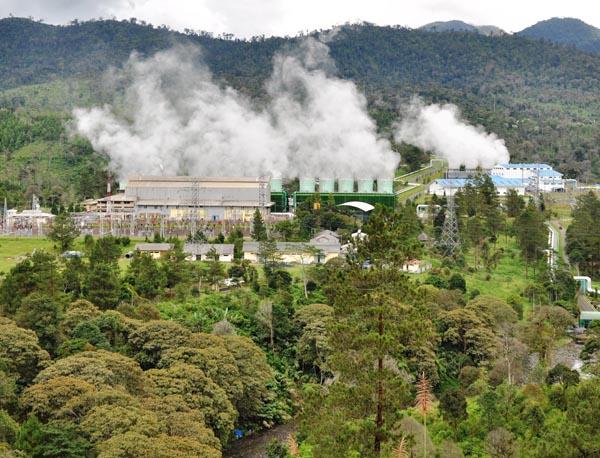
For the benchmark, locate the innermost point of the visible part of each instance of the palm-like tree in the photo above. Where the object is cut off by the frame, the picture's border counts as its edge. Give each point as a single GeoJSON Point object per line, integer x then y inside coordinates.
{"type": "Point", "coordinates": [424, 404]}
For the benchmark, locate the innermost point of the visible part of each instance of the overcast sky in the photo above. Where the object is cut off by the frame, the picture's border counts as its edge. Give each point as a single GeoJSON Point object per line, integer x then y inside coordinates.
{"type": "Point", "coordinates": [246, 18]}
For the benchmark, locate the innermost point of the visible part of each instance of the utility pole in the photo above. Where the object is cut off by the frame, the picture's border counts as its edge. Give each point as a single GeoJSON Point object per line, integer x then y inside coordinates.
{"type": "Point", "coordinates": [195, 204]}
{"type": "Point", "coordinates": [5, 217]}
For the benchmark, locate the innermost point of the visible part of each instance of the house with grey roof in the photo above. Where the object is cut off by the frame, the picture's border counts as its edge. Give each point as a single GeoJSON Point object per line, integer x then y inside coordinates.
{"type": "Point", "coordinates": [200, 251]}
{"type": "Point", "coordinates": [156, 250]}
{"type": "Point", "coordinates": [321, 248]}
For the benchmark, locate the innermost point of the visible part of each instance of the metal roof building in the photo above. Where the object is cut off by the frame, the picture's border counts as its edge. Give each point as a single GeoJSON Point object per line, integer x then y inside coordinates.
{"type": "Point", "coordinates": [203, 198]}
{"type": "Point", "coordinates": [449, 186]}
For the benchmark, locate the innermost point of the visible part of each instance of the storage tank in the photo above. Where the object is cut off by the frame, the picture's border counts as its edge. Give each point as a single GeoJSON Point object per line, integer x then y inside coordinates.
{"type": "Point", "coordinates": [276, 185]}
{"type": "Point", "coordinates": [307, 185]}
{"type": "Point", "coordinates": [385, 186]}
{"type": "Point", "coordinates": [346, 185]}
{"type": "Point", "coordinates": [365, 185]}
{"type": "Point", "coordinates": [326, 185]}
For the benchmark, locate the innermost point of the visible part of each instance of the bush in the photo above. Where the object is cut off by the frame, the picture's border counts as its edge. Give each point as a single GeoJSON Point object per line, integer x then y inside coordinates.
{"type": "Point", "coordinates": [474, 293]}
{"type": "Point", "coordinates": [436, 281]}
{"type": "Point", "coordinates": [457, 281]}
{"type": "Point", "coordinates": [276, 449]}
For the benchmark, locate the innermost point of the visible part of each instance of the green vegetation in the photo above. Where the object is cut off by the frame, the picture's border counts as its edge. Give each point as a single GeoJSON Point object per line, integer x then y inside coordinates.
{"type": "Point", "coordinates": [39, 159]}
{"type": "Point", "coordinates": [583, 237]}
{"type": "Point", "coordinates": [567, 31]}
{"type": "Point", "coordinates": [155, 353]}
{"type": "Point", "coordinates": [15, 249]}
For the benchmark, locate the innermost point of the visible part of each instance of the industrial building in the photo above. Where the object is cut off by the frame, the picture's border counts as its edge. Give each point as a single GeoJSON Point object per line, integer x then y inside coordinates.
{"type": "Point", "coordinates": [450, 186]}
{"type": "Point", "coordinates": [539, 177]}
{"type": "Point", "coordinates": [183, 197]}
{"type": "Point", "coordinates": [341, 191]}
{"type": "Point", "coordinates": [519, 177]}
{"type": "Point", "coordinates": [231, 199]}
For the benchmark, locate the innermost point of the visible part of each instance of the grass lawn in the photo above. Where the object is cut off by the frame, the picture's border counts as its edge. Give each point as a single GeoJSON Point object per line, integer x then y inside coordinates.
{"type": "Point", "coordinates": [507, 279]}
{"type": "Point", "coordinates": [13, 249]}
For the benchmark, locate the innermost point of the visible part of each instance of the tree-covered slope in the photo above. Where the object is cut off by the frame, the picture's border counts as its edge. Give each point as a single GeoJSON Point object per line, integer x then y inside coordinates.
{"type": "Point", "coordinates": [567, 31]}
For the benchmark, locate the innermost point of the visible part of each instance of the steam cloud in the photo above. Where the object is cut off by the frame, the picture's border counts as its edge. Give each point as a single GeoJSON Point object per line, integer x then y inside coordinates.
{"type": "Point", "coordinates": [177, 120]}
{"type": "Point", "coordinates": [441, 130]}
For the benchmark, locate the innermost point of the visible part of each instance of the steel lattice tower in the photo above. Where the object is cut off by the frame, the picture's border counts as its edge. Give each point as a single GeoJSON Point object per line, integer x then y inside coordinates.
{"type": "Point", "coordinates": [449, 241]}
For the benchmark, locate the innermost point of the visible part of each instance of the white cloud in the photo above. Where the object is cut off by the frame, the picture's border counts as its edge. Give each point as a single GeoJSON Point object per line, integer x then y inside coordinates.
{"type": "Point", "coordinates": [287, 17]}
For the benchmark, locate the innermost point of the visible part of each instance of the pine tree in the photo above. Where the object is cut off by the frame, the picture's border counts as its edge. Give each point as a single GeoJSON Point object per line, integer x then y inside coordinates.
{"type": "Point", "coordinates": [259, 230]}
{"type": "Point", "coordinates": [532, 234]}
{"type": "Point", "coordinates": [63, 231]}
{"type": "Point", "coordinates": [370, 323]}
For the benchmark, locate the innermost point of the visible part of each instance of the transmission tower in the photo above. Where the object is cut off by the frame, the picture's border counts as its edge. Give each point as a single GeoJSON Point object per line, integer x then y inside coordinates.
{"type": "Point", "coordinates": [195, 204]}
{"type": "Point", "coordinates": [449, 241]}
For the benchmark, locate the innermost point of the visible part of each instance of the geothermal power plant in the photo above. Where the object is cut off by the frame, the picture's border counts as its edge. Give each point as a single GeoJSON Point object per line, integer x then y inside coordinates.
{"type": "Point", "coordinates": [232, 198]}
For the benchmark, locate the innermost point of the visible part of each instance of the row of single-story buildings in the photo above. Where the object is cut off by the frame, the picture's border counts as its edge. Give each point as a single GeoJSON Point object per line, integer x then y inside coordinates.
{"type": "Point", "coordinates": [322, 248]}
{"type": "Point", "coordinates": [318, 250]}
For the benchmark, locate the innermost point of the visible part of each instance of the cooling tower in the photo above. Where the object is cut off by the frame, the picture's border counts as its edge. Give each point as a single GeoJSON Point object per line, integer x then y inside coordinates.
{"type": "Point", "coordinates": [345, 185]}
{"type": "Point", "coordinates": [365, 185]}
{"type": "Point", "coordinates": [385, 186]}
{"type": "Point", "coordinates": [326, 185]}
{"type": "Point", "coordinates": [276, 185]}
{"type": "Point", "coordinates": [307, 185]}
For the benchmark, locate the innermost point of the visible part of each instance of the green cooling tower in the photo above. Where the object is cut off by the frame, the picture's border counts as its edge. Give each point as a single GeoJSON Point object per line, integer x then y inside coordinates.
{"type": "Point", "coordinates": [326, 185]}
{"type": "Point", "coordinates": [346, 185]}
{"type": "Point", "coordinates": [276, 185]}
{"type": "Point", "coordinates": [365, 185]}
{"type": "Point", "coordinates": [307, 185]}
{"type": "Point", "coordinates": [385, 186]}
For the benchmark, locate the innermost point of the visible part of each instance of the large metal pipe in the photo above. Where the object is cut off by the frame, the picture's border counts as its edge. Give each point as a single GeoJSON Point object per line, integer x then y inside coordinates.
{"type": "Point", "coordinates": [307, 185]}
{"type": "Point", "coordinates": [345, 185]}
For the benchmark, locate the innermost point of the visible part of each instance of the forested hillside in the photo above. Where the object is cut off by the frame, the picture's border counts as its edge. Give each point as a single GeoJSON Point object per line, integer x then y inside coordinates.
{"type": "Point", "coordinates": [540, 97]}
{"type": "Point", "coordinates": [568, 31]}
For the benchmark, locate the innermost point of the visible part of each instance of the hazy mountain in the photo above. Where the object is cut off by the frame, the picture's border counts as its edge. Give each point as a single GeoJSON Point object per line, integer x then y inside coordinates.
{"type": "Point", "coordinates": [460, 26]}
{"type": "Point", "coordinates": [566, 31]}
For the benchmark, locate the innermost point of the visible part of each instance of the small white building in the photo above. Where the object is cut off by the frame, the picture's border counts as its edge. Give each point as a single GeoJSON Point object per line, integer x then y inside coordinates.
{"type": "Point", "coordinates": [416, 266]}
{"type": "Point", "coordinates": [201, 251]}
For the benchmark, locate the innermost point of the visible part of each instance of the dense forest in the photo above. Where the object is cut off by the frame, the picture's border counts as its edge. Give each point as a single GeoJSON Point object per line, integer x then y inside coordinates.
{"type": "Point", "coordinates": [567, 31]}
{"type": "Point", "coordinates": [102, 356]}
{"type": "Point", "coordinates": [539, 96]}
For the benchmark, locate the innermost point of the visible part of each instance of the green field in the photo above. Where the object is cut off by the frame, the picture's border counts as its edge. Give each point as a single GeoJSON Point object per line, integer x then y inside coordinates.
{"type": "Point", "coordinates": [506, 280]}
{"type": "Point", "coordinates": [14, 249]}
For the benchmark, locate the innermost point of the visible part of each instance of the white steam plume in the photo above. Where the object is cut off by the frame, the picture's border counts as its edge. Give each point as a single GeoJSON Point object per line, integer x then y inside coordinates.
{"type": "Point", "coordinates": [177, 120]}
{"type": "Point", "coordinates": [441, 130]}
